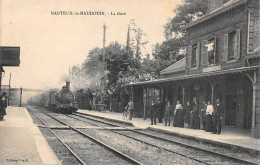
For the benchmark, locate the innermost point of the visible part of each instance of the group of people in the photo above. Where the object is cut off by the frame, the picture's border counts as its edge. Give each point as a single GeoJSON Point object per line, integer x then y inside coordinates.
{"type": "Point", "coordinates": [207, 118]}
{"type": "Point", "coordinates": [3, 105]}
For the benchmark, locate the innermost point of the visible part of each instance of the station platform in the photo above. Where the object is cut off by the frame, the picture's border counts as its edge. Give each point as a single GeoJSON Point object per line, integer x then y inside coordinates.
{"type": "Point", "coordinates": [21, 142]}
{"type": "Point", "coordinates": [229, 136]}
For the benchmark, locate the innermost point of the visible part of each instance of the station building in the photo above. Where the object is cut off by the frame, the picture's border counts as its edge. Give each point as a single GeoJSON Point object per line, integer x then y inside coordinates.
{"type": "Point", "coordinates": [222, 61]}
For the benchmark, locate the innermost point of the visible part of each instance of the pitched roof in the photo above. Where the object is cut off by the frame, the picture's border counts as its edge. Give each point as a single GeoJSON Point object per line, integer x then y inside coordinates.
{"type": "Point", "coordinates": [176, 67]}
{"type": "Point", "coordinates": [224, 8]}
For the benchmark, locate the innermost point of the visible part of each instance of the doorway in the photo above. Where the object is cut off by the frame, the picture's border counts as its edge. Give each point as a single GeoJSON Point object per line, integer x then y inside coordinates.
{"type": "Point", "coordinates": [231, 108]}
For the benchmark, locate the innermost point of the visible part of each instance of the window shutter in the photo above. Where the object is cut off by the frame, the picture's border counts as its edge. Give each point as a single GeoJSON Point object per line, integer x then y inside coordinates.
{"type": "Point", "coordinates": [189, 55]}
{"type": "Point", "coordinates": [225, 52]}
{"type": "Point", "coordinates": [198, 54]}
{"type": "Point", "coordinates": [204, 53]}
{"type": "Point", "coordinates": [237, 51]}
{"type": "Point", "coordinates": [215, 51]}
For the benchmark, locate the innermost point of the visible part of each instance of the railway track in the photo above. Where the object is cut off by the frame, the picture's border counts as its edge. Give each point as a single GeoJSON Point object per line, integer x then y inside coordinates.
{"type": "Point", "coordinates": [104, 151]}
{"type": "Point", "coordinates": [200, 155]}
{"type": "Point", "coordinates": [204, 156]}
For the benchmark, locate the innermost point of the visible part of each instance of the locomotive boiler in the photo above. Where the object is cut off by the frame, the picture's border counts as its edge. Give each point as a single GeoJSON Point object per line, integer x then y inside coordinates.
{"type": "Point", "coordinates": [64, 100]}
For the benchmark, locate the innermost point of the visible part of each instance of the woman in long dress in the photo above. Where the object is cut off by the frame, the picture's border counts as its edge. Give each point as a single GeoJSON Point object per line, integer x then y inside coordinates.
{"type": "Point", "coordinates": [195, 121]}
{"type": "Point", "coordinates": [177, 114]}
{"type": "Point", "coordinates": [208, 118]}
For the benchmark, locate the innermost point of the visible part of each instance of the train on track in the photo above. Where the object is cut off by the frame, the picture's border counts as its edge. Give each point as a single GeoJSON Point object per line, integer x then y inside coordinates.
{"type": "Point", "coordinates": [62, 101]}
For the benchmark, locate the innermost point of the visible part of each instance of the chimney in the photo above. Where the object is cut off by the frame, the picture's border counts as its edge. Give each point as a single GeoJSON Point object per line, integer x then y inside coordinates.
{"type": "Point", "coordinates": [68, 86]}
{"type": "Point", "coordinates": [214, 4]}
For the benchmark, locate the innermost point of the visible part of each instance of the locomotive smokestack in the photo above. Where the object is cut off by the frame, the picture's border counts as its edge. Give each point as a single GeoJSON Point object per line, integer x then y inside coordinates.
{"type": "Point", "coordinates": [68, 86]}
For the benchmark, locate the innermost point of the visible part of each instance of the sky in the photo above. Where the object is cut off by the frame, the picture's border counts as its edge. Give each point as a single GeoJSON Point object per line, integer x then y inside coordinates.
{"type": "Point", "coordinates": [51, 44]}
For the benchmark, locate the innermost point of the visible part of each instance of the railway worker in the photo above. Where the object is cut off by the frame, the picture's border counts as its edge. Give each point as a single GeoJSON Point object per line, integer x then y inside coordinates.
{"type": "Point", "coordinates": [217, 117]}
{"type": "Point", "coordinates": [177, 114]}
{"type": "Point", "coordinates": [208, 118]}
{"type": "Point", "coordinates": [203, 115]}
{"type": "Point", "coordinates": [168, 111]}
{"type": "Point", "coordinates": [159, 109]}
{"type": "Point", "coordinates": [130, 107]}
{"type": "Point", "coordinates": [187, 113]}
{"type": "Point", "coordinates": [194, 119]}
{"type": "Point", "coordinates": [153, 113]}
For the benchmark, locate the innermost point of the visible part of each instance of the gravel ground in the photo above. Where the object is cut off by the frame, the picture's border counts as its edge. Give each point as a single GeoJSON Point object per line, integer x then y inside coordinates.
{"type": "Point", "coordinates": [251, 157]}
{"type": "Point", "coordinates": [90, 152]}
{"type": "Point", "coordinates": [145, 154]}
{"type": "Point", "coordinates": [91, 122]}
{"type": "Point", "coordinates": [200, 155]}
{"type": "Point", "coordinates": [71, 121]}
{"type": "Point", "coordinates": [59, 149]}
{"type": "Point", "coordinates": [105, 120]}
{"type": "Point", "coordinates": [48, 120]}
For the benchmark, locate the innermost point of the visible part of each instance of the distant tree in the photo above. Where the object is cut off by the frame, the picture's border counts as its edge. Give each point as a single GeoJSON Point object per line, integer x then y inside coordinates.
{"type": "Point", "coordinates": [136, 39]}
{"type": "Point", "coordinates": [168, 52]}
{"type": "Point", "coordinates": [185, 13]}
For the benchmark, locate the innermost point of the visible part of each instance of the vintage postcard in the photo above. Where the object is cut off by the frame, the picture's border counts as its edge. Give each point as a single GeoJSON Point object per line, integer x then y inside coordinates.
{"type": "Point", "coordinates": [129, 82]}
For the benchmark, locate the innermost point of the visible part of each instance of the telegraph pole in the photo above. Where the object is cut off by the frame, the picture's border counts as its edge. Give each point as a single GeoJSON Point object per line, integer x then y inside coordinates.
{"type": "Point", "coordinates": [103, 79]}
{"type": "Point", "coordinates": [21, 92]}
{"type": "Point", "coordinates": [104, 55]}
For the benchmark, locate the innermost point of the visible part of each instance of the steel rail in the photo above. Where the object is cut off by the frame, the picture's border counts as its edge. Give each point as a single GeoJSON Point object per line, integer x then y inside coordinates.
{"type": "Point", "coordinates": [97, 141]}
{"type": "Point", "coordinates": [73, 153]}
{"type": "Point", "coordinates": [168, 150]}
{"type": "Point", "coordinates": [175, 142]}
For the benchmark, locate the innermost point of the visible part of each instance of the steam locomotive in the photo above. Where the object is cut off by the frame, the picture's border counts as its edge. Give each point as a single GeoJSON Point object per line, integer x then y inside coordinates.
{"type": "Point", "coordinates": [63, 101]}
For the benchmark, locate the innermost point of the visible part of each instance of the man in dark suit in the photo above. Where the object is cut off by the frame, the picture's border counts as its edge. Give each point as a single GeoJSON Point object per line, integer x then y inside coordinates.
{"type": "Point", "coordinates": [153, 113]}
{"type": "Point", "coordinates": [159, 109]}
{"type": "Point", "coordinates": [217, 117]}
{"type": "Point", "coordinates": [168, 112]}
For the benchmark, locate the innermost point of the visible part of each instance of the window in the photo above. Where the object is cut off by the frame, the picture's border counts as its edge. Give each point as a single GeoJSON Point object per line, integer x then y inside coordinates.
{"type": "Point", "coordinates": [211, 51]}
{"type": "Point", "coordinates": [231, 46]}
{"type": "Point", "coordinates": [193, 56]}
{"type": "Point", "coordinates": [208, 52]}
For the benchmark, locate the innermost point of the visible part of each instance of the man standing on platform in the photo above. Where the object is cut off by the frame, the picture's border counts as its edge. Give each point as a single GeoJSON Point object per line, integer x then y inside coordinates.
{"type": "Point", "coordinates": [217, 117]}
{"type": "Point", "coordinates": [159, 110]}
{"type": "Point", "coordinates": [153, 114]}
{"type": "Point", "coordinates": [188, 113]}
{"type": "Point", "coordinates": [168, 111]}
{"type": "Point", "coordinates": [202, 115]}
{"type": "Point", "coordinates": [130, 107]}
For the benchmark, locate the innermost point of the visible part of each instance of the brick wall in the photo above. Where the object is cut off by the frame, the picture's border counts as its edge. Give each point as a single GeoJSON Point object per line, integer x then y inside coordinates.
{"type": "Point", "coordinates": [217, 27]}
{"type": "Point", "coordinates": [256, 132]}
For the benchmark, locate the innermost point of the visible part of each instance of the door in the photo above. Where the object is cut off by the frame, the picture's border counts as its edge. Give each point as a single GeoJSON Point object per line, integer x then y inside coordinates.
{"type": "Point", "coordinates": [230, 110]}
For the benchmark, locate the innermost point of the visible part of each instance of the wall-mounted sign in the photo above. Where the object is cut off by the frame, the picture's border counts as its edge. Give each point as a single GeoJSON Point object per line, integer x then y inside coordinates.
{"type": "Point", "coordinates": [9, 56]}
